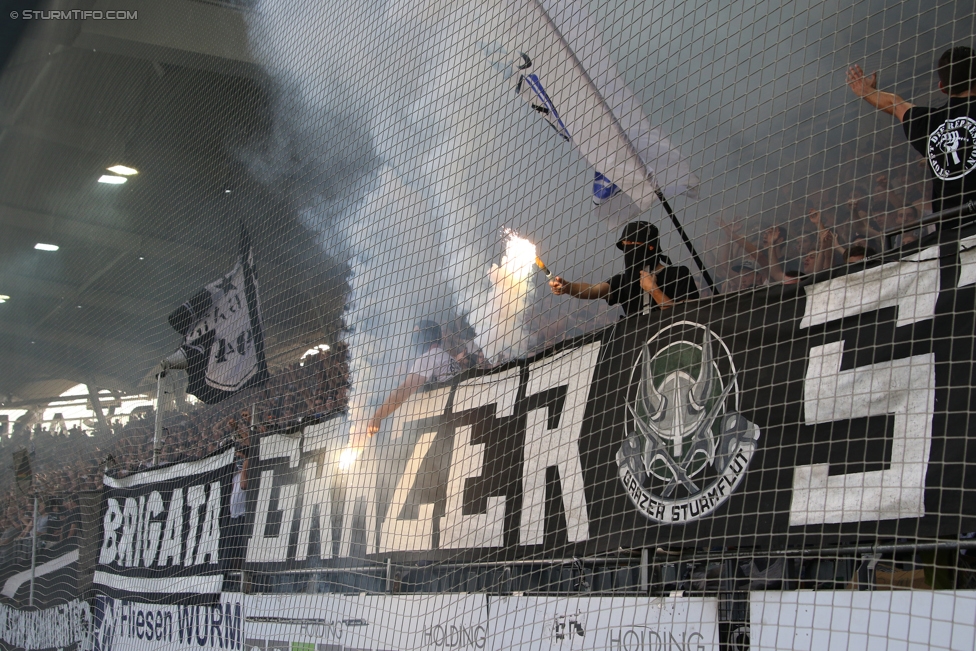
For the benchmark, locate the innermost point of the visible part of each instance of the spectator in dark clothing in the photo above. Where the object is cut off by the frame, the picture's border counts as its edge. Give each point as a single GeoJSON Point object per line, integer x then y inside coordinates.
{"type": "Point", "coordinates": [945, 135]}
{"type": "Point", "coordinates": [646, 284]}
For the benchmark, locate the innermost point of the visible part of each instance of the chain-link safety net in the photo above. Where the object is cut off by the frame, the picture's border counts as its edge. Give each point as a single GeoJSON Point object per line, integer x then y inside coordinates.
{"type": "Point", "coordinates": [508, 324]}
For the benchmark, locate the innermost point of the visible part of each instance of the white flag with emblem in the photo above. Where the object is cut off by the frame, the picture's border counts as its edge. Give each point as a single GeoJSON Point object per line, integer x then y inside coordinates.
{"type": "Point", "coordinates": [222, 337]}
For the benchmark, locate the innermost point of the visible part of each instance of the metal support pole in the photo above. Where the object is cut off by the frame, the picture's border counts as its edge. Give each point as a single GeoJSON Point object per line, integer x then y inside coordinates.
{"type": "Point", "coordinates": [177, 360]}
{"type": "Point", "coordinates": [30, 599]}
{"type": "Point", "coordinates": [158, 431]}
{"type": "Point", "coordinates": [97, 407]}
{"type": "Point", "coordinates": [389, 576]}
{"type": "Point", "coordinates": [644, 567]}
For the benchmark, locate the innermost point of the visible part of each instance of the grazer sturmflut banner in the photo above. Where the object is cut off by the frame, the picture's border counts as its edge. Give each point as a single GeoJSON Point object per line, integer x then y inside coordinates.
{"type": "Point", "coordinates": [835, 410]}
{"type": "Point", "coordinates": [161, 531]}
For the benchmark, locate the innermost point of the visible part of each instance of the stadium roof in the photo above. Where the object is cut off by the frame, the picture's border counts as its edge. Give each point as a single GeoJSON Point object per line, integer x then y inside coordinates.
{"type": "Point", "coordinates": [175, 94]}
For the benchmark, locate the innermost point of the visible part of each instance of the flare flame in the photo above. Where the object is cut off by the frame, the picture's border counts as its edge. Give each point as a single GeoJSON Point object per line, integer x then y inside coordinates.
{"type": "Point", "coordinates": [508, 295]}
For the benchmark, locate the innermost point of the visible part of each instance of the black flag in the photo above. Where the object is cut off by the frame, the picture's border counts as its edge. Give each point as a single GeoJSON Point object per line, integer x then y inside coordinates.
{"type": "Point", "coordinates": [221, 328]}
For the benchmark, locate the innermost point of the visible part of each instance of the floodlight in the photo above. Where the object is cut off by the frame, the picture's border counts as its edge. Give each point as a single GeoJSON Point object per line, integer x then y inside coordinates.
{"type": "Point", "coordinates": [112, 180]}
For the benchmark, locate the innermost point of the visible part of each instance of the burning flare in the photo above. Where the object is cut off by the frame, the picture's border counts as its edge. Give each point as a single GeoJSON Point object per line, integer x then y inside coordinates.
{"type": "Point", "coordinates": [347, 458]}
{"type": "Point", "coordinates": [508, 296]}
{"type": "Point", "coordinates": [519, 254]}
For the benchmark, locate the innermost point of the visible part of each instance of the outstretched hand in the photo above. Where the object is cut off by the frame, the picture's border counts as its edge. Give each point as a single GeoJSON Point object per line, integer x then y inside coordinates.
{"type": "Point", "coordinates": [360, 436]}
{"type": "Point", "coordinates": [373, 428]}
{"type": "Point", "coordinates": [861, 84]}
{"type": "Point", "coordinates": [559, 286]}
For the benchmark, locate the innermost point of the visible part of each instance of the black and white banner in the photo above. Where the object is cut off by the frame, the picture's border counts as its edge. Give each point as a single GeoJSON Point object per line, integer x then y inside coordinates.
{"type": "Point", "coordinates": [162, 531]}
{"type": "Point", "coordinates": [804, 414]}
{"type": "Point", "coordinates": [222, 336]}
{"type": "Point", "coordinates": [555, 623]}
{"type": "Point", "coordinates": [65, 627]}
{"type": "Point", "coordinates": [378, 622]}
{"type": "Point", "coordinates": [40, 606]}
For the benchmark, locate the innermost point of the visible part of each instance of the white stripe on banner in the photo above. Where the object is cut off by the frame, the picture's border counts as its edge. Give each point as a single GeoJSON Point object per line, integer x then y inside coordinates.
{"type": "Point", "coordinates": [12, 585]}
{"type": "Point", "coordinates": [211, 584]}
{"type": "Point", "coordinates": [175, 471]}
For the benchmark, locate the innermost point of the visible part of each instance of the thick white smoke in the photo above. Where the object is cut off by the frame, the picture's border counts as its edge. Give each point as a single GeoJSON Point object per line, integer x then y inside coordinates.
{"type": "Point", "coordinates": [394, 283]}
{"type": "Point", "coordinates": [411, 156]}
{"type": "Point", "coordinates": [456, 113]}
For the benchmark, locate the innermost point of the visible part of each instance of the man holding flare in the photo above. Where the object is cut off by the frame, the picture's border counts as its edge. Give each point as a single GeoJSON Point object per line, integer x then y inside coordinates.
{"type": "Point", "coordinates": [646, 284]}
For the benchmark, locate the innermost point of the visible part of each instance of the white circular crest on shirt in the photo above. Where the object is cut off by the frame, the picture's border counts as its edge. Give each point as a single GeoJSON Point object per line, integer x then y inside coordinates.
{"type": "Point", "coordinates": [952, 148]}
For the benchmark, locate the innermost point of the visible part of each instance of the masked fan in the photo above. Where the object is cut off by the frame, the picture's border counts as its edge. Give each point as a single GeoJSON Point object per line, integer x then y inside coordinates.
{"type": "Point", "coordinates": [648, 281]}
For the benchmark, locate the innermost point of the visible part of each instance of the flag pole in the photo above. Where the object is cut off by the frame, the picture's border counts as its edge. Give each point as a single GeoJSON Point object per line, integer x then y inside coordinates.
{"type": "Point", "coordinates": [174, 361]}
{"type": "Point", "coordinates": [687, 241]}
{"type": "Point", "coordinates": [30, 599]}
{"type": "Point", "coordinates": [158, 429]}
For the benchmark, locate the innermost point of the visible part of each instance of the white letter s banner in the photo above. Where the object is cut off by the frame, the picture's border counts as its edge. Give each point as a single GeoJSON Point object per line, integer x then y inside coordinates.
{"type": "Point", "coordinates": [902, 387]}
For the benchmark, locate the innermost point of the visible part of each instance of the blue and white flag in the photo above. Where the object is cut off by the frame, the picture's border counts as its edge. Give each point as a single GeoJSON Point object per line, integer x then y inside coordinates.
{"type": "Point", "coordinates": [562, 68]}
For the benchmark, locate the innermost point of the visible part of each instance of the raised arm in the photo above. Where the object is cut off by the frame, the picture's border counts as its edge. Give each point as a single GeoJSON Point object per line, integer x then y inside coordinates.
{"type": "Point", "coordinates": [750, 249]}
{"type": "Point", "coordinates": [825, 252]}
{"type": "Point", "coordinates": [648, 283]}
{"type": "Point", "coordinates": [825, 236]}
{"type": "Point", "coordinates": [866, 87]}
{"type": "Point", "coordinates": [393, 401]}
{"type": "Point", "coordinates": [773, 239]}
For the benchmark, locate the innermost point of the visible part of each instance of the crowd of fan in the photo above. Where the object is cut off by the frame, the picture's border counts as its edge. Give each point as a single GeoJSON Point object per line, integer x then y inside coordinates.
{"type": "Point", "coordinates": [67, 463]}
{"type": "Point", "coordinates": [843, 223]}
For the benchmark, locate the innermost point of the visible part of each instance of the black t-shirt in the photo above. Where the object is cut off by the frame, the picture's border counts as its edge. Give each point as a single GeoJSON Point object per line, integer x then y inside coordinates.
{"type": "Point", "coordinates": [625, 290]}
{"type": "Point", "coordinates": [946, 136]}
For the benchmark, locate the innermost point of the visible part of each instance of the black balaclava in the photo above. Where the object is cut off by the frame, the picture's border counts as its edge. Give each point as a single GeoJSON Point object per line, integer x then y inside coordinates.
{"type": "Point", "coordinates": [639, 257]}
{"type": "Point", "coordinates": [427, 335]}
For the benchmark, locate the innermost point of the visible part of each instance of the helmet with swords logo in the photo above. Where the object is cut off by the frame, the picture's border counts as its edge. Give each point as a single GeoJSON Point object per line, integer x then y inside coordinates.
{"type": "Point", "coordinates": [684, 431]}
